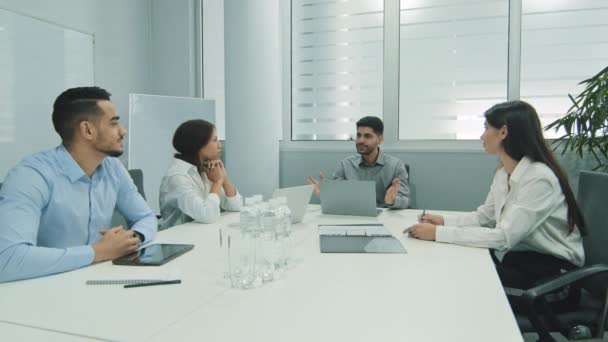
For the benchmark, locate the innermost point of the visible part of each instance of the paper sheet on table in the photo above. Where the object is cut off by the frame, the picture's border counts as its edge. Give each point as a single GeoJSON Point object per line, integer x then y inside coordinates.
{"type": "Point", "coordinates": [354, 230]}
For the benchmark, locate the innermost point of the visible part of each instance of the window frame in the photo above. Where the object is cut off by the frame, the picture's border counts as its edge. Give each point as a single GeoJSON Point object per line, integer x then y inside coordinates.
{"type": "Point", "coordinates": [390, 100]}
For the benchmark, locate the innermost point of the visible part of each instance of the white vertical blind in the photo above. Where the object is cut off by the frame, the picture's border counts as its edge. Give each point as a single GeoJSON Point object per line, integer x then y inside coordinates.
{"type": "Point", "coordinates": [337, 59]}
{"type": "Point", "coordinates": [563, 43]}
{"type": "Point", "coordinates": [453, 66]}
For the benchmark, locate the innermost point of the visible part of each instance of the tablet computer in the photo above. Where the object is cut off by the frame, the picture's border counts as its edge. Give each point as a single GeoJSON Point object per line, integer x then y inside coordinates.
{"type": "Point", "coordinates": [153, 255]}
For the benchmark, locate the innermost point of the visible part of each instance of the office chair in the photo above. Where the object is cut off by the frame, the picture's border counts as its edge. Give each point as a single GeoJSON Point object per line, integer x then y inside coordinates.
{"type": "Point", "coordinates": [589, 318]}
{"type": "Point", "coordinates": [411, 186]}
{"type": "Point", "coordinates": [138, 178]}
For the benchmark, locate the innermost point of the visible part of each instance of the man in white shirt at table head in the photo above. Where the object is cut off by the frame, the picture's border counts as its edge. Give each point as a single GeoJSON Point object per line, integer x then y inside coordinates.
{"type": "Point", "coordinates": [56, 205]}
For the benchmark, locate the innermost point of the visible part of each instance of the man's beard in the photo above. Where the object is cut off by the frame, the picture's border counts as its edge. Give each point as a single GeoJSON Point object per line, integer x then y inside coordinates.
{"type": "Point", "coordinates": [114, 153]}
{"type": "Point", "coordinates": [111, 153]}
{"type": "Point", "coordinates": [366, 151]}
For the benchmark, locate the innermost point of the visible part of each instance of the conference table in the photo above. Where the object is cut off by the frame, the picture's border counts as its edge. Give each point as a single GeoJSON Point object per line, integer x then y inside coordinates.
{"type": "Point", "coordinates": [434, 292]}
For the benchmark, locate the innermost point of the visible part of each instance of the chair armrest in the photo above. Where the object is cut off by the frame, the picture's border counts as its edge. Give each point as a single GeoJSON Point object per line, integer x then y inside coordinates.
{"type": "Point", "coordinates": [563, 280]}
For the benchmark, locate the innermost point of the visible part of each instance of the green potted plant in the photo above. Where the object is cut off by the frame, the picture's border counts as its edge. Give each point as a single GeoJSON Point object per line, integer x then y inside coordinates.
{"type": "Point", "coordinates": [586, 123]}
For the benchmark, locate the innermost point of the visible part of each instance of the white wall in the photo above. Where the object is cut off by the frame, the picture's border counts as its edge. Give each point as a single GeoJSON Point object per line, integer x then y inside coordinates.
{"type": "Point", "coordinates": [122, 33]}
{"type": "Point", "coordinates": [28, 87]}
{"type": "Point", "coordinates": [173, 64]}
{"type": "Point", "coordinates": [213, 60]}
{"type": "Point", "coordinates": [179, 42]}
{"type": "Point", "coordinates": [141, 46]}
{"type": "Point", "coordinates": [253, 94]}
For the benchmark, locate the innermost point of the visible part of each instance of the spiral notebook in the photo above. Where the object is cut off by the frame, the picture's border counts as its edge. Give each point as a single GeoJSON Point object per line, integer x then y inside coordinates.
{"type": "Point", "coordinates": [122, 281]}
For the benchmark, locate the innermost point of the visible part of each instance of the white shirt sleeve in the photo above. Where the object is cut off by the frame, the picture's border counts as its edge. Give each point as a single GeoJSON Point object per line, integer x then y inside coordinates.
{"type": "Point", "coordinates": [204, 209]}
{"type": "Point", "coordinates": [233, 203]}
{"type": "Point", "coordinates": [522, 214]}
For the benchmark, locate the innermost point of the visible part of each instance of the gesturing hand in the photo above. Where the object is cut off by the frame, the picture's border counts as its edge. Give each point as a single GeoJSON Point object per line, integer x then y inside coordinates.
{"type": "Point", "coordinates": [391, 192]}
{"type": "Point", "coordinates": [315, 182]}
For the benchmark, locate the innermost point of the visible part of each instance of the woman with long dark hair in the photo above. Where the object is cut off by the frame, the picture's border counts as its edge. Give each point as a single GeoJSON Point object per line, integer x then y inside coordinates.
{"type": "Point", "coordinates": [196, 185]}
{"type": "Point", "coordinates": [530, 211]}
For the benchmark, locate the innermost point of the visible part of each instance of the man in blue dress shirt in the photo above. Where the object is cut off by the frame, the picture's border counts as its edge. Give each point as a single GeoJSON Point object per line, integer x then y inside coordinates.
{"type": "Point", "coordinates": [56, 205]}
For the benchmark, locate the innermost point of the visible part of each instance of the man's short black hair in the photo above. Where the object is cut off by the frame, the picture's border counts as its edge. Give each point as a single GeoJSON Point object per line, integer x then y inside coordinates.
{"type": "Point", "coordinates": [74, 106]}
{"type": "Point", "coordinates": [372, 122]}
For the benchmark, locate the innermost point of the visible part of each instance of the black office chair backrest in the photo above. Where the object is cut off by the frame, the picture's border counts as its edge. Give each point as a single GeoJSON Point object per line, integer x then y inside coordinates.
{"type": "Point", "coordinates": [411, 185]}
{"type": "Point", "coordinates": [592, 195]}
{"type": "Point", "coordinates": [138, 179]}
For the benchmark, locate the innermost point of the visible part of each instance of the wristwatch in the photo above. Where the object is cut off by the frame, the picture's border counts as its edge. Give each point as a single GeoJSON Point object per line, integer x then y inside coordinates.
{"type": "Point", "coordinates": [138, 235]}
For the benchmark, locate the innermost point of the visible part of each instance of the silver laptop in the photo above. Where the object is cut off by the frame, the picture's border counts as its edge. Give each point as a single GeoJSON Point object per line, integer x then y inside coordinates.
{"type": "Point", "coordinates": [349, 197]}
{"type": "Point", "coordinates": [297, 200]}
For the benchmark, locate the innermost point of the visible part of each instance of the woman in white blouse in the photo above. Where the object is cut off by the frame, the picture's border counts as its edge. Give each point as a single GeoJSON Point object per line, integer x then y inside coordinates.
{"type": "Point", "coordinates": [530, 211]}
{"type": "Point", "coordinates": [196, 184]}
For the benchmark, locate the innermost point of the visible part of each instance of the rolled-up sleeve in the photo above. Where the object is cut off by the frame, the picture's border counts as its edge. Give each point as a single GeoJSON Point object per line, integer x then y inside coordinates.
{"type": "Point", "coordinates": [23, 196]}
{"type": "Point", "coordinates": [402, 200]}
{"type": "Point", "coordinates": [339, 173]}
{"type": "Point", "coordinates": [190, 202]}
{"type": "Point", "coordinates": [233, 203]}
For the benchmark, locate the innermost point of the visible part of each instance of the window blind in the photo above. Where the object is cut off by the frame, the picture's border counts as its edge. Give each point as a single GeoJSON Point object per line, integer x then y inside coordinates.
{"type": "Point", "coordinates": [337, 59]}
{"type": "Point", "coordinates": [562, 43]}
{"type": "Point", "coordinates": [453, 66]}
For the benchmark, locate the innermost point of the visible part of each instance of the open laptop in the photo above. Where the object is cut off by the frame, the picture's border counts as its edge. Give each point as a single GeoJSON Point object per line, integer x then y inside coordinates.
{"type": "Point", "coordinates": [297, 200]}
{"type": "Point", "coordinates": [349, 197]}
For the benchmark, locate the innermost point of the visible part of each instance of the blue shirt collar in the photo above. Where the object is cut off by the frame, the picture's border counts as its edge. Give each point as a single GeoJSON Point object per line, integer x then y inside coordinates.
{"type": "Point", "coordinates": [70, 168]}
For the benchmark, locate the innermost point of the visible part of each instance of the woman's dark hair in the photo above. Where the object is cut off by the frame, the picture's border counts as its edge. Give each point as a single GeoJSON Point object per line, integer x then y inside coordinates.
{"type": "Point", "coordinates": [525, 138]}
{"type": "Point", "coordinates": [189, 138]}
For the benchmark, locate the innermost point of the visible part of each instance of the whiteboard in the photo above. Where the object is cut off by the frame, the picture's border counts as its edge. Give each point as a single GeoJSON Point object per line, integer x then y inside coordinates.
{"type": "Point", "coordinates": [38, 61]}
{"type": "Point", "coordinates": [152, 121]}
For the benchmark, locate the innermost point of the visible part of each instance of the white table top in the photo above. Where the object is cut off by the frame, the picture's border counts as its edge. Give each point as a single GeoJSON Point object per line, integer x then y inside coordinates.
{"type": "Point", "coordinates": [17, 332]}
{"type": "Point", "coordinates": [435, 292]}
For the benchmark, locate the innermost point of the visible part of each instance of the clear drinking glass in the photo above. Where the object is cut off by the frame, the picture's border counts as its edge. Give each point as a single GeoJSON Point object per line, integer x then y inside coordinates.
{"type": "Point", "coordinates": [240, 254]}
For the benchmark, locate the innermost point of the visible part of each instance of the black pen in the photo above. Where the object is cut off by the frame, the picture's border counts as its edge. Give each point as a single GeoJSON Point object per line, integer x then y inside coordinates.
{"type": "Point", "coordinates": [164, 282]}
{"type": "Point", "coordinates": [421, 215]}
